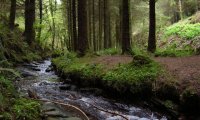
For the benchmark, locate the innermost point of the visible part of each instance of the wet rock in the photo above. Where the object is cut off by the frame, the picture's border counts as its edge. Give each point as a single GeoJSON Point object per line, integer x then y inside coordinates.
{"type": "Point", "coordinates": [95, 91]}
{"type": "Point", "coordinates": [67, 81]}
{"type": "Point", "coordinates": [49, 69]}
{"type": "Point", "coordinates": [55, 114]}
{"type": "Point", "coordinates": [44, 83]}
{"type": "Point", "coordinates": [58, 118]}
{"type": "Point", "coordinates": [35, 69]}
{"type": "Point", "coordinates": [65, 87]}
{"type": "Point", "coordinates": [26, 74]}
{"type": "Point", "coordinates": [73, 118]}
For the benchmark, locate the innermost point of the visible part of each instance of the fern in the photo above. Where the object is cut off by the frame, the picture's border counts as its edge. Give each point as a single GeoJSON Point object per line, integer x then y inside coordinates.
{"type": "Point", "coordinates": [10, 71]}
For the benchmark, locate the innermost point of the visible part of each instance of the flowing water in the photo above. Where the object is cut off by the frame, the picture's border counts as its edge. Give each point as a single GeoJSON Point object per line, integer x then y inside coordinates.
{"type": "Point", "coordinates": [47, 85]}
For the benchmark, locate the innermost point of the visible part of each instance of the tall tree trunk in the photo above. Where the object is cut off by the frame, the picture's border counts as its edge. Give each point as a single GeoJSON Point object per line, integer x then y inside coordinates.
{"type": "Point", "coordinates": [125, 27]}
{"type": "Point", "coordinates": [12, 14]}
{"type": "Point", "coordinates": [100, 24]}
{"type": "Point", "coordinates": [180, 9]}
{"type": "Point", "coordinates": [74, 24]}
{"type": "Point", "coordinates": [29, 21]}
{"type": "Point", "coordinates": [40, 28]}
{"type": "Point", "coordinates": [93, 24]}
{"type": "Point", "coordinates": [152, 27]}
{"type": "Point", "coordinates": [53, 23]}
{"type": "Point", "coordinates": [107, 40]}
{"type": "Point", "coordinates": [82, 27]}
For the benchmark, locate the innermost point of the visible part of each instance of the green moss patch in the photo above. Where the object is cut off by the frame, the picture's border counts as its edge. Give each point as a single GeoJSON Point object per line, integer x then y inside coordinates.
{"type": "Point", "coordinates": [135, 77]}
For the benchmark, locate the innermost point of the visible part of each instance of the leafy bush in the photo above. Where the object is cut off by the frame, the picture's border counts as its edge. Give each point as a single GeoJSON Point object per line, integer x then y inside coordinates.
{"type": "Point", "coordinates": [109, 51]}
{"type": "Point", "coordinates": [187, 31]}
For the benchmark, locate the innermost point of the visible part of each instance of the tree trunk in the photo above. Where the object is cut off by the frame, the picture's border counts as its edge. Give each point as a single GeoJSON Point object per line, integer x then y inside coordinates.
{"type": "Point", "coordinates": [93, 24]}
{"type": "Point", "coordinates": [29, 21]}
{"type": "Point", "coordinates": [125, 27]}
{"type": "Point", "coordinates": [82, 27]}
{"type": "Point", "coordinates": [100, 24]}
{"type": "Point", "coordinates": [74, 24]}
{"type": "Point", "coordinates": [152, 27]}
{"type": "Point", "coordinates": [180, 9]}
{"type": "Point", "coordinates": [40, 28]}
{"type": "Point", "coordinates": [107, 40]}
{"type": "Point", "coordinates": [12, 14]}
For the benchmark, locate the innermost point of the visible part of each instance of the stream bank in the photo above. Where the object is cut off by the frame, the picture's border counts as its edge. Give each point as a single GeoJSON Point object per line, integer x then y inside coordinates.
{"type": "Point", "coordinates": [40, 79]}
{"type": "Point", "coordinates": [154, 85]}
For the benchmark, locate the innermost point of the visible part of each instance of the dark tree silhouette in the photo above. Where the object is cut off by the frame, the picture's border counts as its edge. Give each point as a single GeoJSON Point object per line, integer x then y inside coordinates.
{"type": "Point", "coordinates": [152, 27]}
{"type": "Point", "coordinates": [125, 27]}
{"type": "Point", "coordinates": [29, 21]}
{"type": "Point", "coordinates": [82, 27]}
{"type": "Point", "coordinates": [12, 14]}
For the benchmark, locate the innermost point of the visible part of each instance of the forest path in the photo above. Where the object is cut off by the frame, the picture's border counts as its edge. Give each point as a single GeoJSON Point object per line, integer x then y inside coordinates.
{"type": "Point", "coordinates": [186, 70]}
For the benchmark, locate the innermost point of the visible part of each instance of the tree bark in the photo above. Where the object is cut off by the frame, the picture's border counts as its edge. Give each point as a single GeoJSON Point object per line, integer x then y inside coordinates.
{"type": "Point", "coordinates": [40, 28]}
{"type": "Point", "coordinates": [152, 27]}
{"type": "Point", "coordinates": [29, 21]}
{"type": "Point", "coordinates": [125, 27]}
{"type": "Point", "coordinates": [12, 14]}
{"type": "Point", "coordinates": [74, 25]}
{"type": "Point", "coordinates": [107, 37]}
{"type": "Point", "coordinates": [82, 27]}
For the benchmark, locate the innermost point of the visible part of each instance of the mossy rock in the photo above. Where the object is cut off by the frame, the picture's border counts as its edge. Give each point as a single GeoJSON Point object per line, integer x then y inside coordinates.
{"type": "Point", "coordinates": [190, 101]}
{"type": "Point", "coordinates": [139, 60]}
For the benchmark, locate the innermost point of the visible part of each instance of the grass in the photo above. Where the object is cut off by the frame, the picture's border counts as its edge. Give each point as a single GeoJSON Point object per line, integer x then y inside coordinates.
{"type": "Point", "coordinates": [173, 53]}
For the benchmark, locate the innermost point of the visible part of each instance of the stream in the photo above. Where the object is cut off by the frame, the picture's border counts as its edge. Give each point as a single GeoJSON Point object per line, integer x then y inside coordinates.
{"type": "Point", "coordinates": [48, 86]}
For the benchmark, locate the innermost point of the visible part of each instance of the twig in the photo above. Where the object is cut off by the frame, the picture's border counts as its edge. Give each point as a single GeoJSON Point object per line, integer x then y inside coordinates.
{"type": "Point", "coordinates": [64, 104]}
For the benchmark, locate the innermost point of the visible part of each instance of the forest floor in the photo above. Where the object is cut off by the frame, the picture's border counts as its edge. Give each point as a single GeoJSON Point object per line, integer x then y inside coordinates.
{"type": "Point", "coordinates": [186, 70]}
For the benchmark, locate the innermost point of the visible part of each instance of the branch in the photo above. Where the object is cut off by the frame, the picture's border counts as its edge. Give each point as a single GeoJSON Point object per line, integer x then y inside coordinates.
{"type": "Point", "coordinates": [64, 104]}
{"type": "Point", "coordinates": [111, 112]}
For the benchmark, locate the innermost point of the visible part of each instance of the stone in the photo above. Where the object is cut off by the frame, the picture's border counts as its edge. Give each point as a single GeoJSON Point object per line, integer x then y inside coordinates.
{"type": "Point", "coordinates": [65, 87]}
{"type": "Point", "coordinates": [73, 118]}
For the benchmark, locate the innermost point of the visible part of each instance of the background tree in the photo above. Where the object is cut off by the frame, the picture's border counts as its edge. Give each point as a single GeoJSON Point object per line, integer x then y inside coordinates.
{"type": "Point", "coordinates": [82, 27]}
{"type": "Point", "coordinates": [152, 27]}
{"type": "Point", "coordinates": [29, 21]}
{"type": "Point", "coordinates": [12, 14]}
{"type": "Point", "coordinates": [125, 27]}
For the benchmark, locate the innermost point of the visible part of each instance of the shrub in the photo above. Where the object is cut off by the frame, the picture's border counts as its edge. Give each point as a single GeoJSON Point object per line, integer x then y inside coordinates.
{"type": "Point", "coordinates": [187, 31]}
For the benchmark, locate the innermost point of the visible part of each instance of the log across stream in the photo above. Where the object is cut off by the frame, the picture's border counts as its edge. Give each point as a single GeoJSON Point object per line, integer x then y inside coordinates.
{"type": "Point", "coordinates": [38, 77]}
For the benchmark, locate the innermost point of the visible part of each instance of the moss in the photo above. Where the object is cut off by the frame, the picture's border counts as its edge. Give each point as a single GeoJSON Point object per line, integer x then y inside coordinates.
{"type": "Point", "coordinates": [170, 52]}
{"type": "Point", "coordinates": [25, 109]}
{"type": "Point", "coordinates": [135, 77]}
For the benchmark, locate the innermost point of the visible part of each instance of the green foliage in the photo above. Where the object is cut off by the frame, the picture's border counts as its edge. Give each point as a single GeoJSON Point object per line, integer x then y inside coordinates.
{"type": "Point", "coordinates": [25, 109]}
{"type": "Point", "coordinates": [133, 75]}
{"type": "Point", "coordinates": [109, 51]}
{"type": "Point", "coordinates": [187, 31]}
{"type": "Point", "coordinates": [173, 53]}
{"type": "Point", "coordinates": [70, 64]}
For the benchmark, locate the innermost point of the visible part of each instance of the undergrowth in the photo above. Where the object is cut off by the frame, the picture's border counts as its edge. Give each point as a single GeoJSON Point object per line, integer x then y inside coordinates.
{"type": "Point", "coordinates": [188, 31]}
{"type": "Point", "coordinates": [13, 107]}
{"type": "Point", "coordinates": [134, 77]}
